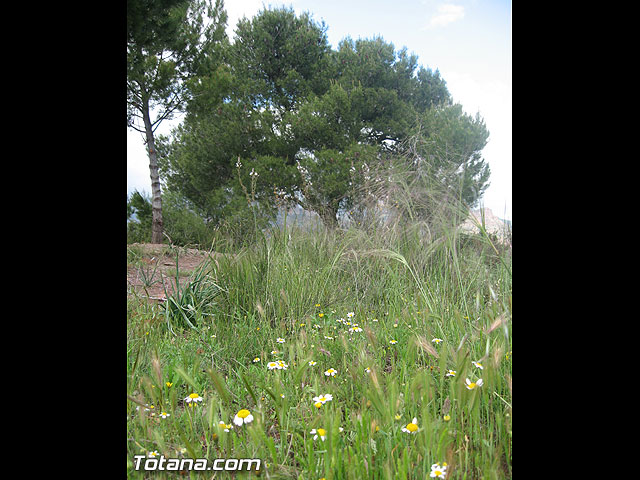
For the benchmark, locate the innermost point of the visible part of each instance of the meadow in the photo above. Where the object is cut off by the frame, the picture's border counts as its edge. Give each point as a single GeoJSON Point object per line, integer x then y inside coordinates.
{"type": "Point", "coordinates": [362, 353]}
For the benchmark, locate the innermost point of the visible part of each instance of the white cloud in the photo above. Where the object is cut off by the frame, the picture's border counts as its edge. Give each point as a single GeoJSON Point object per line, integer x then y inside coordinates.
{"type": "Point", "coordinates": [447, 14]}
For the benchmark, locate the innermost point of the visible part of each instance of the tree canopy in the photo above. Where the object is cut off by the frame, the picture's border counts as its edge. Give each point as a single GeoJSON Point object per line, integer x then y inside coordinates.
{"type": "Point", "coordinates": [284, 112]}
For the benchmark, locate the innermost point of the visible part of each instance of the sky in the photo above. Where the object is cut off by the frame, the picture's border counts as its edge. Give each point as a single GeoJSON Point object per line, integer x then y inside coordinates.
{"type": "Point", "coordinates": [467, 41]}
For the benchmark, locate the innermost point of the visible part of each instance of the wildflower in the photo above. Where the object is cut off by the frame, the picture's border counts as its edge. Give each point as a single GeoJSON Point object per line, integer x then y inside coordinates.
{"type": "Point", "coordinates": [316, 326]}
{"type": "Point", "coordinates": [282, 395]}
{"type": "Point", "coordinates": [272, 365]}
{"type": "Point", "coordinates": [153, 454]}
{"type": "Point", "coordinates": [375, 320]}
{"type": "Point", "coordinates": [367, 370]}
{"type": "Point", "coordinates": [165, 414]}
{"type": "Point", "coordinates": [312, 363]}
{"type": "Point", "coordinates": [302, 324]}
{"type": "Point", "coordinates": [436, 340]}
{"type": "Point", "coordinates": [350, 314]}
{"type": "Point", "coordinates": [328, 338]}
{"type": "Point", "coordinates": [438, 471]}
{"type": "Point", "coordinates": [256, 360]}
{"type": "Point", "coordinates": [398, 417]}
{"type": "Point", "coordinates": [327, 397]}
{"type": "Point", "coordinates": [194, 397]}
{"type": "Point", "coordinates": [355, 328]}
{"type": "Point", "coordinates": [321, 314]}
{"type": "Point", "coordinates": [317, 404]}
{"type": "Point", "coordinates": [282, 365]}
{"type": "Point", "coordinates": [238, 163]}
{"type": "Point", "coordinates": [471, 385]}
{"type": "Point", "coordinates": [317, 304]}
{"type": "Point", "coordinates": [446, 418]}
{"type": "Point", "coordinates": [169, 384]}
{"type": "Point", "coordinates": [411, 427]}
{"type": "Point", "coordinates": [393, 342]}
{"type": "Point", "coordinates": [331, 372]}
{"type": "Point", "coordinates": [395, 325]}
{"type": "Point", "coordinates": [242, 417]}
{"type": "Point", "coordinates": [451, 373]}
{"type": "Point", "coordinates": [321, 432]}
{"type": "Point", "coordinates": [478, 365]}
{"type": "Point", "coordinates": [253, 173]}
{"type": "Point", "coordinates": [225, 427]}
{"type": "Point", "coordinates": [280, 340]}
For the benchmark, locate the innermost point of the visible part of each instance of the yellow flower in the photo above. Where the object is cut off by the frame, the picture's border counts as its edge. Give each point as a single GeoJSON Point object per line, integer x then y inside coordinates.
{"type": "Point", "coordinates": [447, 418]}
{"type": "Point", "coordinates": [321, 315]}
{"type": "Point", "coordinates": [169, 384]}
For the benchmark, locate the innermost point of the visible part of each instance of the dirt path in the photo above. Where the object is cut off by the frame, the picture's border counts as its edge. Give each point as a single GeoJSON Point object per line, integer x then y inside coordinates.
{"type": "Point", "coordinates": [154, 266]}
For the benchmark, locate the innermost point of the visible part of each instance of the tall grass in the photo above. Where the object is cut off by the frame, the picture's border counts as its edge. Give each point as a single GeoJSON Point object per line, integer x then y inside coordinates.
{"type": "Point", "coordinates": [395, 306]}
{"type": "Point", "coordinates": [402, 284]}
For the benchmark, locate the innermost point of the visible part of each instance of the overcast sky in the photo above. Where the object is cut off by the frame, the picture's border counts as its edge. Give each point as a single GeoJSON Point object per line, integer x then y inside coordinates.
{"type": "Point", "coordinates": [468, 41]}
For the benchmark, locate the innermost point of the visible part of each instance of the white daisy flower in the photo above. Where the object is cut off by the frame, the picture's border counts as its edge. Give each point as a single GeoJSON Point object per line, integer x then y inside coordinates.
{"type": "Point", "coordinates": [451, 373]}
{"type": "Point", "coordinates": [327, 397]}
{"type": "Point", "coordinates": [478, 365]}
{"type": "Point", "coordinates": [225, 427]}
{"type": "Point", "coordinates": [411, 427]}
{"type": "Point", "coordinates": [242, 417]}
{"type": "Point", "coordinates": [436, 340]}
{"type": "Point", "coordinates": [471, 385]}
{"type": "Point", "coordinates": [321, 432]}
{"type": "Point", "coordinates": [331, 372]}
{"type": "Point", "coordinates": [272, 365]}
{"type": "Point", "coordinates": [280, 340]}
{"type": "Point", "coordinates": [194, 397]}
{"type": "Point", "coordinates": [438, 471]}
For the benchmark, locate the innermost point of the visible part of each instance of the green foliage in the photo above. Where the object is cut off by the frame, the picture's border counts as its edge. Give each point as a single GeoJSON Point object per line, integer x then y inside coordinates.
{"type": "Point", "coordinates": [138, 229]}
{"type": "Point", "coordinates": [282, 57]}
{"type": "Point", "coordinates": [167, 46]}
{"type": "Point", "coordinates": [192, 303]}
{"type": "Point", "coordinates": [286, 99]}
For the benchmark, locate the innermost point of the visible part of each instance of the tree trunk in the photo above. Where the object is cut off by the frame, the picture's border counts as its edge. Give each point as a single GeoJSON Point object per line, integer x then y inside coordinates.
{"type": "Point", "coordinates": [156, 202]}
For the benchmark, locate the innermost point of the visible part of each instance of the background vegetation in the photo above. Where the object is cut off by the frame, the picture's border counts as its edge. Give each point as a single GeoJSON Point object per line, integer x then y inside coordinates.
{"type": "Point", "coordinates": [384, 289]}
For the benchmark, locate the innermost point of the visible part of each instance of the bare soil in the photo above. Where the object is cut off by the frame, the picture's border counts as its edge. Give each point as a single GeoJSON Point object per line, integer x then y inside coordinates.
{"type": "Point", "coordinates": [153, 269]}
